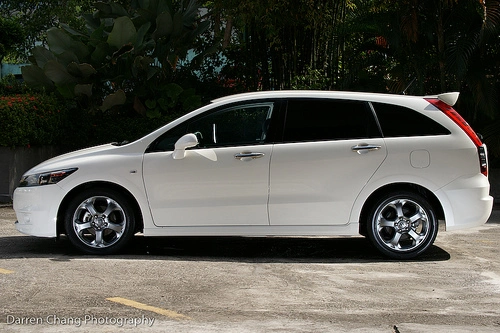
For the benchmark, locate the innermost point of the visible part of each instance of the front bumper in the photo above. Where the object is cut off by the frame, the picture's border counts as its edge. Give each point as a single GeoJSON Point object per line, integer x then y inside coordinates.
{"type": "Point", "coordinates": [36, 209]}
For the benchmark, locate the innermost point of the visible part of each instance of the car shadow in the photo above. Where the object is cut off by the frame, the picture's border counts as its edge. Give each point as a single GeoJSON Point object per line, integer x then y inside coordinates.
{"type": "Point", "coordinates": [228, 249]}
{"type": "Point", "coordinates": [495, 215]}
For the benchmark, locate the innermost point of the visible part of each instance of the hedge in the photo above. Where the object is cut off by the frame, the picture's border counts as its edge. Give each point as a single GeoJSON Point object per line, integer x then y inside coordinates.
{"type": "Point", "coordinates": [34, 119]}
{"type": "Point", "coordinates": [30, 119]}
{"type": "Point", "coordinates": [39, 119]}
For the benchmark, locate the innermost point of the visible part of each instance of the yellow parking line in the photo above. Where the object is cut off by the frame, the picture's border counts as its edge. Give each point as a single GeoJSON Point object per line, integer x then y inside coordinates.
{"type": "Point", "coordinates": [142, 306]}
{"type": "Point", "coordinates": [5, 271]}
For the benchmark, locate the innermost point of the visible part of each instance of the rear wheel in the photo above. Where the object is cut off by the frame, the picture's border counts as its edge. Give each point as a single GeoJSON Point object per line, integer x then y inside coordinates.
{"type": "Point", "coordinates": [99, 221]}
{"type": "Point", "coordinates": [402, 225]}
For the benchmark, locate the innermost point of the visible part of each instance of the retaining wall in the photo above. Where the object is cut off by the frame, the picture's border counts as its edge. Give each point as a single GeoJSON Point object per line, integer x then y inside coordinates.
{"type": "Point", "coordinates": [15, 162]}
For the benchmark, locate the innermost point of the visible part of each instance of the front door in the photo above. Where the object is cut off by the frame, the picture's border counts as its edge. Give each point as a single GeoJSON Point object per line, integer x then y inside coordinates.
{"type": "Point", "coordinates": [222, 182]}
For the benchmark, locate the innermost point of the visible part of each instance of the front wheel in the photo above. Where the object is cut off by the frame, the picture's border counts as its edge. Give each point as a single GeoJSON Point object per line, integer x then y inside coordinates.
{"type": "Point", "coordinates": [402, 225]}
{"type": "Point", "coordinates": [99, 221]}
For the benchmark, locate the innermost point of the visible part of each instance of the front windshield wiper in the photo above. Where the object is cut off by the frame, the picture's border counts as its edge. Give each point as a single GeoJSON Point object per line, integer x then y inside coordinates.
{"type": "Point", "coordinates": [119, 143]}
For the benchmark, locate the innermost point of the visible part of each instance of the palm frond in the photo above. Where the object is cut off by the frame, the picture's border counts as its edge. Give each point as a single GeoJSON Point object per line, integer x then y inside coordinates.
{"type": "Point", "coordinates": [459, 49]}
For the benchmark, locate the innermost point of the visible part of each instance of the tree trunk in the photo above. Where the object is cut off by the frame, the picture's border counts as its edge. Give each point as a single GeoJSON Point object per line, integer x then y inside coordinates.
{"type": "Point", "coordinates": [227, 33]}
{"type": "Point", "coordinates": [441, 50]}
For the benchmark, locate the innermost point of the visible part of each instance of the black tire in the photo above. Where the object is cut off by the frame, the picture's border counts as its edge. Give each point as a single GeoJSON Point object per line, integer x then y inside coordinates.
{"type": "Point", "coordinates": [99, 221]}
{"type": "Point", "coordinates": [402, 225]}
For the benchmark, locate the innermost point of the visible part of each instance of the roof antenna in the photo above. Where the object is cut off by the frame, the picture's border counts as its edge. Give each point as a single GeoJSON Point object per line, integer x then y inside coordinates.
{"type": "Point", "coordinates": [408, 86]}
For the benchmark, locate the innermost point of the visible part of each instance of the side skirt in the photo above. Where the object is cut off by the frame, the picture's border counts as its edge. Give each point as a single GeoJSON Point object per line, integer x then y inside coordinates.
{"type": "Point", "coordinates": [351, 229]}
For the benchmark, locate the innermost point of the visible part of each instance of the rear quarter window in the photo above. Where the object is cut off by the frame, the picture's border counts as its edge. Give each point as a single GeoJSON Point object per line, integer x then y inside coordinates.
{"type": "Point", "coordinates": [400, 121]}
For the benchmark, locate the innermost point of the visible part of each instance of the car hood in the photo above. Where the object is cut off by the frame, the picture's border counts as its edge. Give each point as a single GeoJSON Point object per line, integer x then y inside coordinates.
{"type": "Point", "coordinates": [72, 159]}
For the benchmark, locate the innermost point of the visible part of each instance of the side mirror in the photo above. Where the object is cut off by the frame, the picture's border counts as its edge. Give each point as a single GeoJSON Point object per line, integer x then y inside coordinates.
{"type": "Point", "coordinates": [186, 141]}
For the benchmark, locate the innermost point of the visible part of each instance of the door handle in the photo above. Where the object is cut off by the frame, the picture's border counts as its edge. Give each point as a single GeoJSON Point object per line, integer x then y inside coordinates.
{"type": "Point", "coordinates": [364, 148]}
{"type": "Point", "coordinates": [248, 156]}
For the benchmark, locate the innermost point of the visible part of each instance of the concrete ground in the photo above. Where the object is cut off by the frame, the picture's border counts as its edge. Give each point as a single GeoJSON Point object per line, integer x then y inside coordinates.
{"type": "Point", "coordinates": [235, 284]}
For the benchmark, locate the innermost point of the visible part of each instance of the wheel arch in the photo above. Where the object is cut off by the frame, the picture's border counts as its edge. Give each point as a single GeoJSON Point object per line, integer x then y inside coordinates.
{"type": "Point", "coordinates": [389, 188]}
{"type": "Point", "coordinates": [99, 184]}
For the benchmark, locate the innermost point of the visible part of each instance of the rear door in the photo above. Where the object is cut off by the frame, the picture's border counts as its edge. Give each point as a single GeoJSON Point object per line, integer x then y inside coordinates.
{"type": "Point", "coordinates": [328, 152]}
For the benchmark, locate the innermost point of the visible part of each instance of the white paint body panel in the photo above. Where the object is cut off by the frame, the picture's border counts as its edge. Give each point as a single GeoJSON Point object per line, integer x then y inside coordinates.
{"type": "Point", "coordinates": [209, 187]}
{"type": "Point", "coordinates": [317, 182]}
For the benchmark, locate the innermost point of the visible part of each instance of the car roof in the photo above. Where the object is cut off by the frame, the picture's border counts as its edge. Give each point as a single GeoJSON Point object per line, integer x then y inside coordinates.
{"type": "Point", "coordinates": [449, 98]}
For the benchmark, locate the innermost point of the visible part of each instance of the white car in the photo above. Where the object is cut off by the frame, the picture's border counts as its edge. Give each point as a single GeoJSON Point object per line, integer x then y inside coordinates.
{"type": "Point", "coordinates": [281, 163]}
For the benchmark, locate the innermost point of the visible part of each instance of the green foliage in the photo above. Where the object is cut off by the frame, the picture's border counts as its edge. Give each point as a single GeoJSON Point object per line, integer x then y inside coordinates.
{"type": "Point", "coordinates": [169, 99]}
{"type": "Point", "coordinates": [84, 130]}
{"type": "Point", "coordinates": [125, 57]}
{"type": "Point", "coordinates": [9, 85]}
{"type": "Point", "coordinates": [36, 17]}
{"type": "Point", "coordinates": [362, 45]}
{"type": "Point", "coordinates": [11, 36]}
{"type": "Point", "coordinates": [30, 119]}
{"type": "Point", "coordinates": [314, 79]}
{"type": "Point", "coordinates": [427, 48]}
{"type": "Point", "coordinates": [279, 44]}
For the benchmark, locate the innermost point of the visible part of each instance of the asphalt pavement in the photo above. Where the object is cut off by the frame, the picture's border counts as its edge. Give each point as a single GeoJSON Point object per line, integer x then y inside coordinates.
{"type": "Point", "coordinates": [239, 284]}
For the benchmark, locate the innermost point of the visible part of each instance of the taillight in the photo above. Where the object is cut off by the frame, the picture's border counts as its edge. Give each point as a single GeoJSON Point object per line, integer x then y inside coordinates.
{"type": "Point", "coordinates": [483, 159]}
{"type": "Point", "coordinates": [457, 118]}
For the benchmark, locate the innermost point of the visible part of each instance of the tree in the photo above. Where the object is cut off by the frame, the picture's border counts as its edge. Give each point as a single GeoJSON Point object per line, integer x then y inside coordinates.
{"type": "Point", "coordinates": [126, 56]}
{"type": "Point", "coordinates": [11, 36]}
{"type": "Point", "coordinates": [428, 47]}
{"type": "Point", "coordinates": [36, 17]}
{"type": "Point", "coordinates": [277, 45]}
{"type": "Point", "coordinates": [435, 45]}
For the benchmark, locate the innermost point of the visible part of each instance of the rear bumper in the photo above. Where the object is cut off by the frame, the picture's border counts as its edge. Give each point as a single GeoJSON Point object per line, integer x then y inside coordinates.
{"type": "Point", "coordinates": [466, 202]}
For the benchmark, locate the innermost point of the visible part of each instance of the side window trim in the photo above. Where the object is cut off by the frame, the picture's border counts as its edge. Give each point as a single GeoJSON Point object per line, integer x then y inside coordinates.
{"type": "Point", "coordinates": [374, 113]}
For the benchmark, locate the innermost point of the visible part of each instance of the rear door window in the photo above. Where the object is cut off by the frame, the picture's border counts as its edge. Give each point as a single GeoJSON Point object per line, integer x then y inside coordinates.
{"type": "Point", "coordinates": [328, 119]}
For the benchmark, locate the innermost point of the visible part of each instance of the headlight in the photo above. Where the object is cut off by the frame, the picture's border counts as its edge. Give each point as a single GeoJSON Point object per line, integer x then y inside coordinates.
{"type": "Point", "coordinates": [45, 178]}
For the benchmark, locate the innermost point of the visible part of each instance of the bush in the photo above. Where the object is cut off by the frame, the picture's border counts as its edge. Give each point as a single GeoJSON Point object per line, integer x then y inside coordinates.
{"type": "Point", "coordinates": [91, 129]}
{"type": "Point", "coordinates": [10, 85]}
{"type": "Point", "coordinates": [39, 119]}
{"type": "Point", "coordinates": [36, 119]}
{"type": "Point", "coordinates": [30, 119]}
